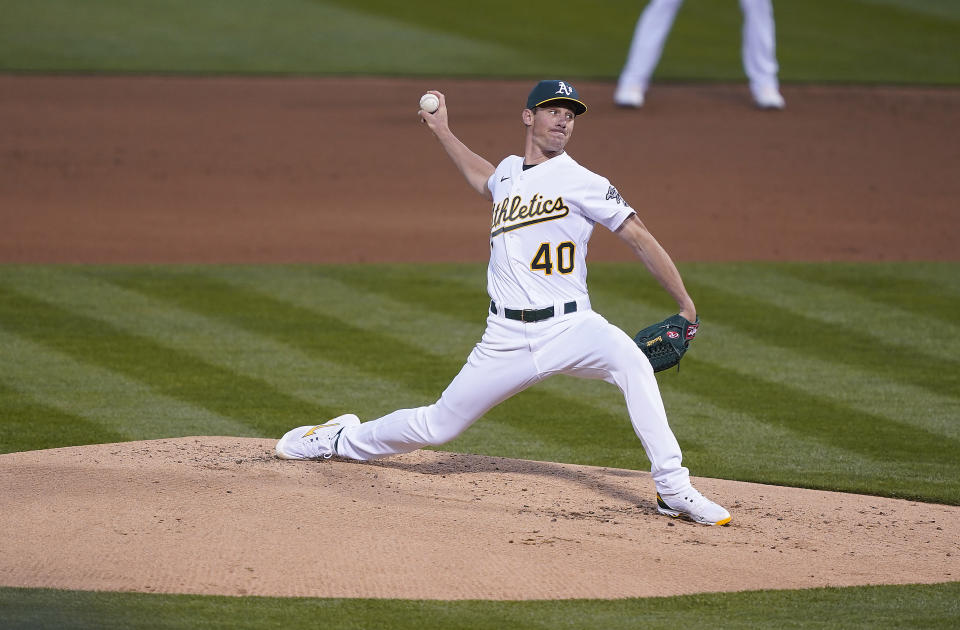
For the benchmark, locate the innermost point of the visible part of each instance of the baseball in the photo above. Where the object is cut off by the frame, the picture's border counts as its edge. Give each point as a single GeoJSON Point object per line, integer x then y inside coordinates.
{"type": "Point", "coordinates": [429, 103]}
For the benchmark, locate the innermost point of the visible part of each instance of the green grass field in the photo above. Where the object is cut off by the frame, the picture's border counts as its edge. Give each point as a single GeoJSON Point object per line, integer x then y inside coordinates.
{"type": "Point", "coordinates": [126, 353]}
{"type": "Point", "coordinates": [841, 377]}
{"type": "Point", "coordinates": [892, 41]}
{"type": "Point", "coordinates": [867, 608]}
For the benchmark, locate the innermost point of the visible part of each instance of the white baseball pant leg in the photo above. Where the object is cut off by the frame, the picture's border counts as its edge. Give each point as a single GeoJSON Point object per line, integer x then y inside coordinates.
{"type": "Point", "coordinates": [512, 356]}
{"type": "Point", "coordinates": [759, 45]}
{"type": "Point", "coordinates": [649, 38]}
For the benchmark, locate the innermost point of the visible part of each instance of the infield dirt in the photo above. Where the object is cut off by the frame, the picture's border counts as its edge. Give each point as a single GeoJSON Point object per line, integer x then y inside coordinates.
{"type": "Point", "coordinates": [140, 170]}
{"type": "Point", "coordinates": [224, 516]}
{"type": "Point", "coordinates": [155, 170]}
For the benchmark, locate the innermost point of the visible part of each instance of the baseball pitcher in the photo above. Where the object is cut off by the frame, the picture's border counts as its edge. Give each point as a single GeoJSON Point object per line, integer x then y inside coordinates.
{"type": "Point", "coordinates": [544, 206]}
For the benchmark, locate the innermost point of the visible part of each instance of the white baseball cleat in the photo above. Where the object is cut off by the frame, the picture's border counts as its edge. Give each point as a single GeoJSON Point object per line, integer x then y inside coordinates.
{"type": "Point", "coordinates": [693, 506]}
{"type": "Point", "coordinates": [769, 98]}
{"type": "Point", "coordinates": [629, 96]}
{"type": "Point", "coordinates": [315, 442]}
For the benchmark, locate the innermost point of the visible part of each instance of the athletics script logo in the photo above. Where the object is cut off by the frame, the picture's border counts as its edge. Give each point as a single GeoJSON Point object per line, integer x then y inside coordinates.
{"type": "Point", "coordinates": [512, 213]}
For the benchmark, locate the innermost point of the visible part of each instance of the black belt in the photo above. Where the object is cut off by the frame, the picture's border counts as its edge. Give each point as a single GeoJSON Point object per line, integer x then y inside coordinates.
{"type": "Point", "coordinates": [532, 314]}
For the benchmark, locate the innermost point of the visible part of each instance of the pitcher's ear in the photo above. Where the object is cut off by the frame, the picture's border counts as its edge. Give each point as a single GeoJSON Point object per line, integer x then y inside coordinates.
{"type": "Point", "coordinates": [527, 117]}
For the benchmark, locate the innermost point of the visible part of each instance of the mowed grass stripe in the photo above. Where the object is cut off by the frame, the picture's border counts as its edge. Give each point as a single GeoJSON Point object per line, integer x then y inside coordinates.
{"type": "Point", "coordinates": [737, 445]}
{"type": "Point", "coordinates": [844, 346]}
{"type": "Point", "coordinates": [526, 427]}
{"type": "Point", "coordinates": [171, 373]}
{"type": "Point", "coordinates": [120, 406]}
{"type": "Point", "coordinates": [414, 310]}
{"type": "Point", "coordinates": [930, 291]}
{"type": "Point", "coordinates": [734, 346]}
{"type": "Point", "coordinates": [860, 391]}
{"type": "Point", "coordinates": [316, 334]}
{"type": "Point", "coordinates": [567, 428]}
{"type": "Point", "coordinates": [820, 419]}
{"type": "Point", "coordinates": [836, 298]}
{"type": "Point", "coordinates": [27, 425]}
{"type": "Point", "coordinates": [706, 431]}
{"type": "Point", "coordinates": [329, 386]}
{"type": "Point", "coordinates": [458, 291]}
{"type": "Point", "coordinates": [940, 278]}
{"type": "Point", "coordinates": [946, 9]}
{"type": "Point", "coordinates": [732, 444]}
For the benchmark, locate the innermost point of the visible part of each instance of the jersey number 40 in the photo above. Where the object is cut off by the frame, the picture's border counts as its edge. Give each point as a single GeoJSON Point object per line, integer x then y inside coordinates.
{"type": "Point", "coordinates": [543, 260]}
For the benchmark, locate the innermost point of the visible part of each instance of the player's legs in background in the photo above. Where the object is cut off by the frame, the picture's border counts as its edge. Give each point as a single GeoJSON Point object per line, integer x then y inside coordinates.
{"type": "Point", "coordinates": [497, 368]}
{"type": "Point", "coordinates": [646, 47]}
{"type": "Point", "coordinates": [759, 52]}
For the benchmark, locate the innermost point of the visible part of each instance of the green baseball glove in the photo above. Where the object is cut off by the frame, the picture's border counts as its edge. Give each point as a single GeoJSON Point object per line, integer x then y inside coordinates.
{"type": "Point", "coordinates": [665, 342]}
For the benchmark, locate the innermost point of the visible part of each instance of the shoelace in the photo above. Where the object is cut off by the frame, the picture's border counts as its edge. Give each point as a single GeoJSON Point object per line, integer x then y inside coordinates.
{"type": "Point", "coordinates": [693, 497]}
{"type": "Point", "coordinates": [333, 444]}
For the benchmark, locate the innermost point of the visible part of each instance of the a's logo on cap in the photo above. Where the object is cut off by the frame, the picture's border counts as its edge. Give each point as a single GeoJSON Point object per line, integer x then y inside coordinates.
{"type": "Point", "coordinates": [563, 88]}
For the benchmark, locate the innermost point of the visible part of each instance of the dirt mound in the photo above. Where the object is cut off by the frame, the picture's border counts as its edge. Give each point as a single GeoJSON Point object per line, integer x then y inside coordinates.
{"type": "Point", "coordinates": [219, 515]}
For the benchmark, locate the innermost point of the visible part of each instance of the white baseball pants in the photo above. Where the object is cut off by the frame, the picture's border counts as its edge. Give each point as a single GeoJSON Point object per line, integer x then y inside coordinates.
{"type": "Point", "coordinates": [653, 26]}
{"type": "Point", "coordinates": [512, 356]}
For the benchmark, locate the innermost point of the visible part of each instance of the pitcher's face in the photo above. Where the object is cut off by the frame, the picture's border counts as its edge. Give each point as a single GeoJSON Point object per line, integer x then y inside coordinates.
{"type": "Point", "coordinates": [551, 127]}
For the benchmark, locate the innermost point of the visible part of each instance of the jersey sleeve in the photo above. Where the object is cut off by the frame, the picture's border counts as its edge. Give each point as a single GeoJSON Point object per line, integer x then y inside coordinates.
{"type": "Point", "coordinates": [492, 181]}
{"type": "Point", "coordinates": [501, 173]}
{"type": "Point", "coordinates": [603, 204]}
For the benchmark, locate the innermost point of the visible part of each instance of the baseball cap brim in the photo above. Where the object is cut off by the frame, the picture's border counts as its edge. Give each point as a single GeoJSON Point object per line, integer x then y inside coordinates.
{"type": "Point", "coordinates": [578, 107]}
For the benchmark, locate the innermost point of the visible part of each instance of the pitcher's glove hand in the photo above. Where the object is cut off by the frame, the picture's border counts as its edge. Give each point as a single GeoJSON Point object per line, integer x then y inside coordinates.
{"type": "Point", "coordinates": [665, 342]}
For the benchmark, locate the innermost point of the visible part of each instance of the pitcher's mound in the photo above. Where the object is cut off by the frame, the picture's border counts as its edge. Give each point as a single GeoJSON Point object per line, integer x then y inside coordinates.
{"type": "Point", "coordinates": [220, 515]}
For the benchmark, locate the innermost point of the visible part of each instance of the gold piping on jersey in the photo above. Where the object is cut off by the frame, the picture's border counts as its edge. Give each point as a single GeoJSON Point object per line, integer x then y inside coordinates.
{"type": "Point", "coordinates": [512, 213]}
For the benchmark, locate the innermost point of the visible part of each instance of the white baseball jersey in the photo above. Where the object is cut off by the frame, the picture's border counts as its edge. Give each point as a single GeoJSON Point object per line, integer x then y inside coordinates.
{"type": "Point", "coordinates": [541, 222]}
{"type": "Point", "coordinates": [542, 219]}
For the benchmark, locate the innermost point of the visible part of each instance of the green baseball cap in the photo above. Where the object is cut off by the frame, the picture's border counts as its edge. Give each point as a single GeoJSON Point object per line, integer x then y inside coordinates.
{"type": "Point", "coordinates": [555, 90]}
